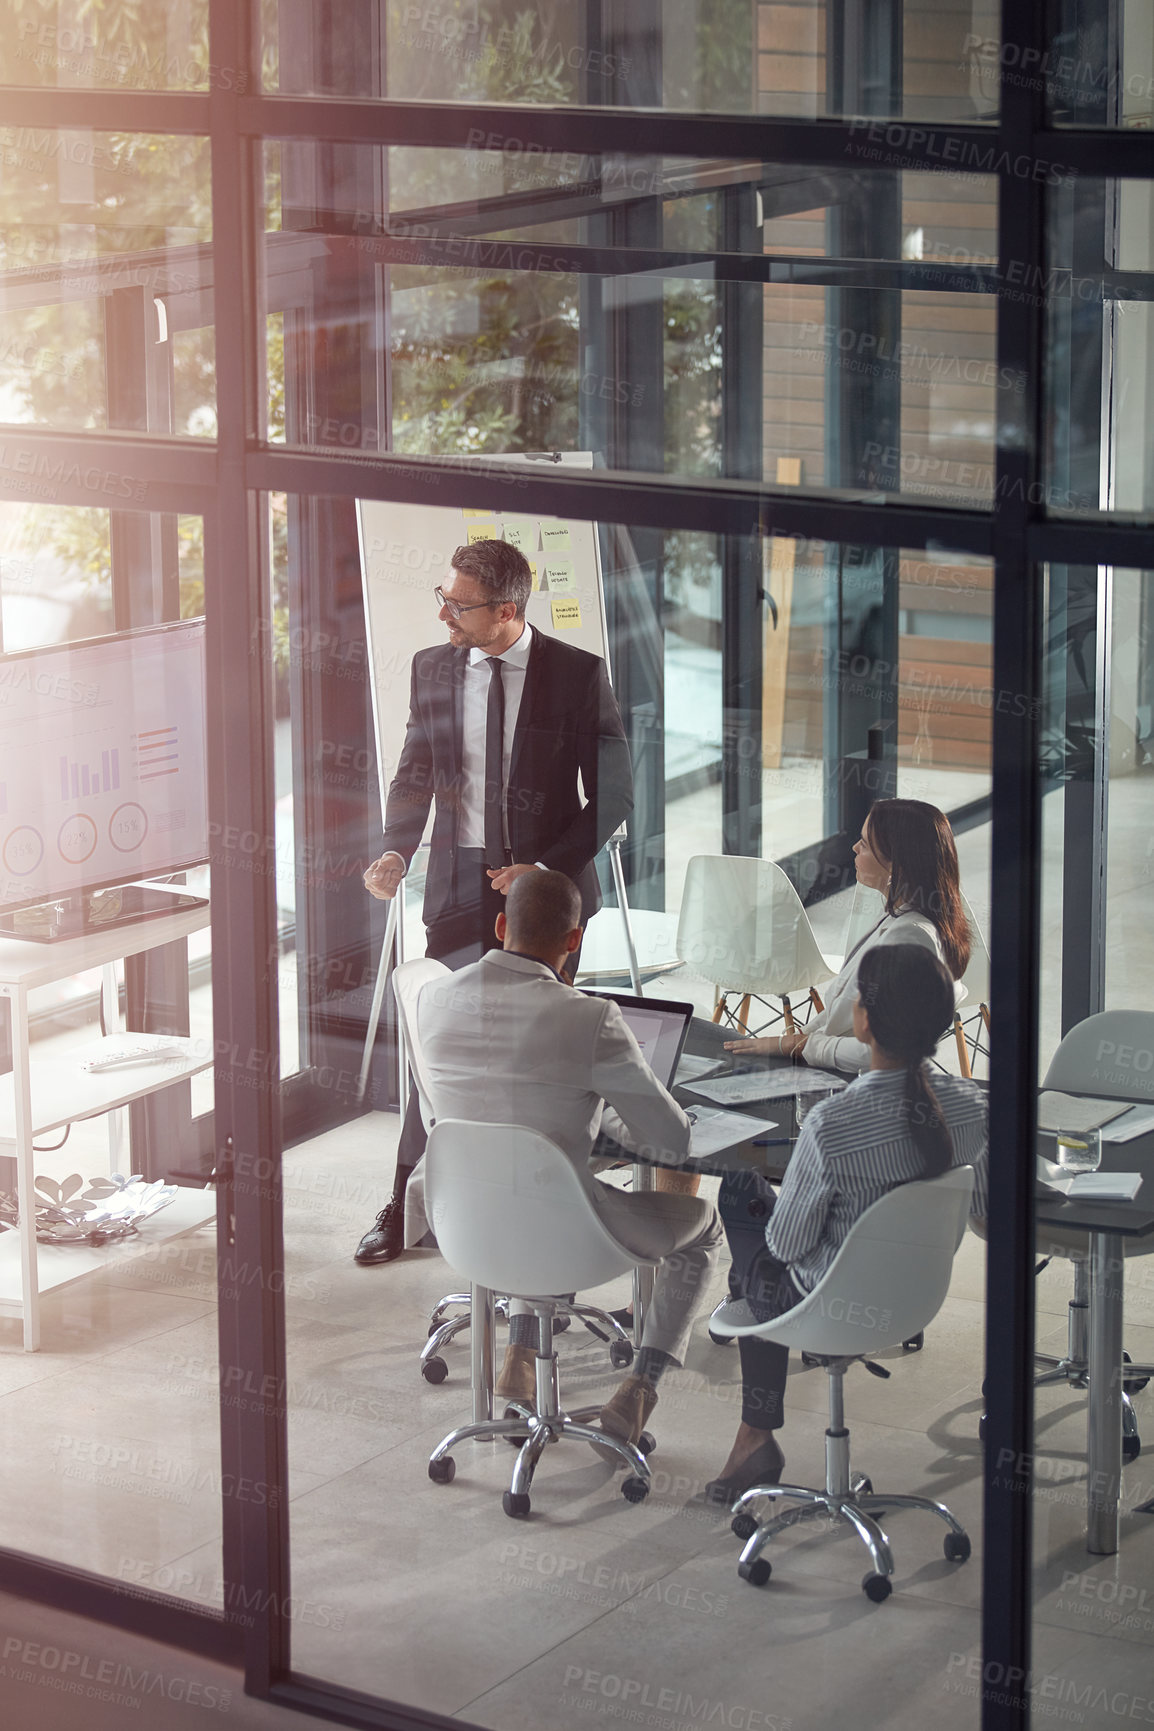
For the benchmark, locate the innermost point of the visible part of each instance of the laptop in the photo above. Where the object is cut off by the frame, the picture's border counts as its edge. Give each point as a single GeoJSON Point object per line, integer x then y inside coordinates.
{"type": "Point", "coordinates": [660, 1025]}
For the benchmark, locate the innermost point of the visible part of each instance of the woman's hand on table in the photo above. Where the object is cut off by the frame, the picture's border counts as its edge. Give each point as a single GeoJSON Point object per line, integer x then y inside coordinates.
{"type": "Point", "coordinates": [768, 1048]}
{"type": "Point", "coordinates": [771, 1046]}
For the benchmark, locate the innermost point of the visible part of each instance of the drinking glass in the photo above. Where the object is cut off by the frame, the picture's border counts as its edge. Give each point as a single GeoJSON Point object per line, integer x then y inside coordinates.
{"type": "Point", "coordinates": [1078, 1150]}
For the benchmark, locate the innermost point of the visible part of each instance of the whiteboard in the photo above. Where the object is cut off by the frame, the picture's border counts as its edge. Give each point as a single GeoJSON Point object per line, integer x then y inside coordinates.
{"type": "Point", "coordinates": [405, 553]}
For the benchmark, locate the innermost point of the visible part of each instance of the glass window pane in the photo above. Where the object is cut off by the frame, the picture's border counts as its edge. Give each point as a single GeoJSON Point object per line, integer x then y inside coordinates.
{"type": "Point", "coordinates": [1098, 68]}
{"type": "Point", "coordinates": [103, 820]}
{"type": "Point", "coordinates": [72, 44]}
{"type": "Point", "coordinates": [499, 341]}
{"type": "Point", "coordinates": [1093, 1313]}
{"type": "Point", "coordinates": [106, 281]}
{"type": "Point", "coordinates": [721, 56]}
{"type": "Point", "coordinates": [1099, 290]}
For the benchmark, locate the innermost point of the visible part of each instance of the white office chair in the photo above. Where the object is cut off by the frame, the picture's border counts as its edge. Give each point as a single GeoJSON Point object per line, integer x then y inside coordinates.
{"type": "Point", "coordinates": [1082, 1065]}
{"type": "Point", "coordinates": [886, 1283]}
{"type": "Point", "coordinates": [409, 980]}
{"type": "Point", "coordinates": [744, 929]}
{"type": "Point", "coordinates": [512, 1214]}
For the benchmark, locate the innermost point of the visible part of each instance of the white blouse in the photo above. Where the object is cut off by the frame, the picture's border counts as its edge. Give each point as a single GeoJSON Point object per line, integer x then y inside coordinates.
{"type": "Point", "coordinates": [829, 1036]}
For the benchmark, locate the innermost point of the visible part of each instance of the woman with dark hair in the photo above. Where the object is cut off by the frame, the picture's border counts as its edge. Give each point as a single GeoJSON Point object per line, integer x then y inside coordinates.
{"type": "Point", "coordinates": [893, 1124]}
{"type": "Point", "coordinates": [907, 852]}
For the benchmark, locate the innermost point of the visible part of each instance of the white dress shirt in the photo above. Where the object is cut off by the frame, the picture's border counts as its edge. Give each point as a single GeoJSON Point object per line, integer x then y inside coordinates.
{"type": "Point", "coordinates": [474, 720]}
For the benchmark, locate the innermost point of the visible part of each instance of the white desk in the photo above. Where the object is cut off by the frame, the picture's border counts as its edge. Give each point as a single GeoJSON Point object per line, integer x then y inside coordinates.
{"type": "Point", "coordinates": [604, 954]}
{"type": "Point", "coordinates": [43, 1094]}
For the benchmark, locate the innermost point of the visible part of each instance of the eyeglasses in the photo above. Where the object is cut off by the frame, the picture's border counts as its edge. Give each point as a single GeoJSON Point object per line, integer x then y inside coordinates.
{"type": "Point", "coordinates": [455, 607]}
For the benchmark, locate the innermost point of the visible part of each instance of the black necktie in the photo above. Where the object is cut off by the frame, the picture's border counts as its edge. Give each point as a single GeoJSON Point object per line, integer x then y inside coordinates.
{"type": "Point", "coordinates": [495, 766]}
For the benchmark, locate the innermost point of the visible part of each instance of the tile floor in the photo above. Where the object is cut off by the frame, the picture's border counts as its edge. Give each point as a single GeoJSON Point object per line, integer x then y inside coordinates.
{"type": "Point", "coordinates": [430, 1595]}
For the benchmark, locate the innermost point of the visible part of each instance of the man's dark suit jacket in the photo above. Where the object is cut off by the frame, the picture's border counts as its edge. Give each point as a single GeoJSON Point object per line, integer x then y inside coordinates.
{"type": "Point", "coordinates": [568, 722]}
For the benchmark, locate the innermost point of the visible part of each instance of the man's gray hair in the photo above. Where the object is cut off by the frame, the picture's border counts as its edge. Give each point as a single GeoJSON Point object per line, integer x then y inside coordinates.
{"type": "Point", "coordinates": [501, 569]}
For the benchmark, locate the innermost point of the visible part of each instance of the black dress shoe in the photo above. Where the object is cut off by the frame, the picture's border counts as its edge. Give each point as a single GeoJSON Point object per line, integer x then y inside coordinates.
{"type": "Point", "coordinates": [387, 1238]}
{"type": "Point", "coordinates": [763, 1467]}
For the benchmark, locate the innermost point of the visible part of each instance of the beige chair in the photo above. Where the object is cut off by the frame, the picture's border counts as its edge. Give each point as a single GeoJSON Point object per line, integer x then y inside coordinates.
{"type": "Point", "coordinates": [744, 929]}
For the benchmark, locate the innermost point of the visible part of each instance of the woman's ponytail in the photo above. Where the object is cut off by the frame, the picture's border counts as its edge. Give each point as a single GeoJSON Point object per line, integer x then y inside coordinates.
{"type": "Point", "coordinates": [909, 998]}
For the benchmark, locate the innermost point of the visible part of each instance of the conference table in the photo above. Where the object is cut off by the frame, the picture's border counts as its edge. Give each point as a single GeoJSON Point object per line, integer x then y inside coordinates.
{"type": "Point", "coordinates": [1108, 1226]}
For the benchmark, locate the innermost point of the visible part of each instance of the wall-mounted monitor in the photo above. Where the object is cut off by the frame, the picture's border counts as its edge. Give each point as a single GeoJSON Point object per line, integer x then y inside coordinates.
{"type": "Point", "coordinates": [102, 777]}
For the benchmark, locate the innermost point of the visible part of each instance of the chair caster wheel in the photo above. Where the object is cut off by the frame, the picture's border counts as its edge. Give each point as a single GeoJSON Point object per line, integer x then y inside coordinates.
{"type": "Point", "coordinates": [1131, 1448]}
{"type": "Point", "coordinates": [434, 1370]}
{"type": "Point", "coordinates": [956, 1547]}
{"type": "Point", "coordinates": [743, 1526]}
{"type": "Point", "coordinates": [864, 1487]}
{"type": "Point", "coordinates": [876, 1587]}
{"type": "Point", "coordinates": [982, 1428]}
{"type": "Point", "coordinates": [561, 1323]}
{"type": "Point", "coordinates": [620, 1354]}
{"type": "Point", "coordinates": [635, 1490]}
{"type": "Point", "coordinates": [721, 1339]}
{"type": "Point", "coordinates": [915, 1342]}
{"type": "Point", "coordinates": [442, 1472]}
{"type": "Point", "coordinates": [756, 1573]}
{"type": "Point", "coordinates": [515, 1504]}
{"type": "Point", "coordinates": [433, 1327]}
{"type": "Point", "coordinates": [646, 1442]}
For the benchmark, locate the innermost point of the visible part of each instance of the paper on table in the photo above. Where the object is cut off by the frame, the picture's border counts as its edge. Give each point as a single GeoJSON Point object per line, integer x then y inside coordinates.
{"type": "Point", "coordinates": [750, 1085]}
{"type": "Point", "coordinates": [1099, 1186]}
{"type": "Point", "coordinates": [714, 1130]}
{"type": "Point", "coordinates": [1135, 1122]}
{"type": "Point", "coordinates": [689, 1066]}
{"type": "Point", "coordinates": [1075, 1111]}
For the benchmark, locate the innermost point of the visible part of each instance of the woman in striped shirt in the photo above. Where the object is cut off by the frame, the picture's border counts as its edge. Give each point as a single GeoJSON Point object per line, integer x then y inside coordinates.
{"type": "Point", "coordinates": [893, 1124]}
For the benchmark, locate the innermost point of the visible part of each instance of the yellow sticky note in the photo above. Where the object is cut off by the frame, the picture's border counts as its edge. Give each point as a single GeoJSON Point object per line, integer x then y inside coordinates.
{"type": "Point", "coordinates": [483, 532]}
{"type": "Point", "coordinates": [566, 615]}
{"type": "Point", "coordinates": [472, 511]}
{"type": "Point", "coordinates": [534, 573]}
{"type": "Point", "coordinates": [559, 576]}
{"type": "Point", "coordinates": [518, 535]}
{"type": "Point", "coordinates": [555, 537]}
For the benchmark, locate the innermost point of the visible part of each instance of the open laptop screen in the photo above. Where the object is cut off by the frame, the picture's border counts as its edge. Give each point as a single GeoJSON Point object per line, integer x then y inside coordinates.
{"type": "Point", "coordinates": [659, 1026]}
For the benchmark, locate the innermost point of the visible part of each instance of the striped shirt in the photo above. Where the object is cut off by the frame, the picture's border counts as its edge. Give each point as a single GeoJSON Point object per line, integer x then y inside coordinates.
{"type": "Point", "coordinates": [854, 1148]}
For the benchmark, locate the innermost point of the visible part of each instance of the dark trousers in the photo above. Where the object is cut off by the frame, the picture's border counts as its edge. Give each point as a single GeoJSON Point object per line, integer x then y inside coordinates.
{"type": "Point", "coordinates": [459, 936]}
{"type": "Point", "coordinates": [745, 1203]}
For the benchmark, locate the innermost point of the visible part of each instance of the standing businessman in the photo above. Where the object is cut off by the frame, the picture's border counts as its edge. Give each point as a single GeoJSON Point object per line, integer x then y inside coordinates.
{"type": "Point", "coordinates": [507, 730]}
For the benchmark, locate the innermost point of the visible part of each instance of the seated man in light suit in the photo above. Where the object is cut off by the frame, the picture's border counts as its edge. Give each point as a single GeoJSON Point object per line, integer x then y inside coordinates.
{"type": "Point", "coordinates": [509, 1041]}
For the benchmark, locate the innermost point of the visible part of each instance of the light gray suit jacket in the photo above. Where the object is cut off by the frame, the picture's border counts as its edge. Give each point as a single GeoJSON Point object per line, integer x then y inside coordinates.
{"type": "Point", "coordinates": [505, 1042]}
{"type": "Point", "coordinates": [830, 1042]}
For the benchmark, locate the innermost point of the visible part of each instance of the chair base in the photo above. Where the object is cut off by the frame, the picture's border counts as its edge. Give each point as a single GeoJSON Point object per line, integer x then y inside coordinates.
{"type": "Point", "coordinates": [1073, 1368]}
{"type": "Point", "coordinates": [857, 1510]}
{"type": "Point", "coordinates": [443, 1329]}
{"type": "Point", "coordinates": [848, 1497]}
{"type": "Point", "coordinates": [548, 1424]}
